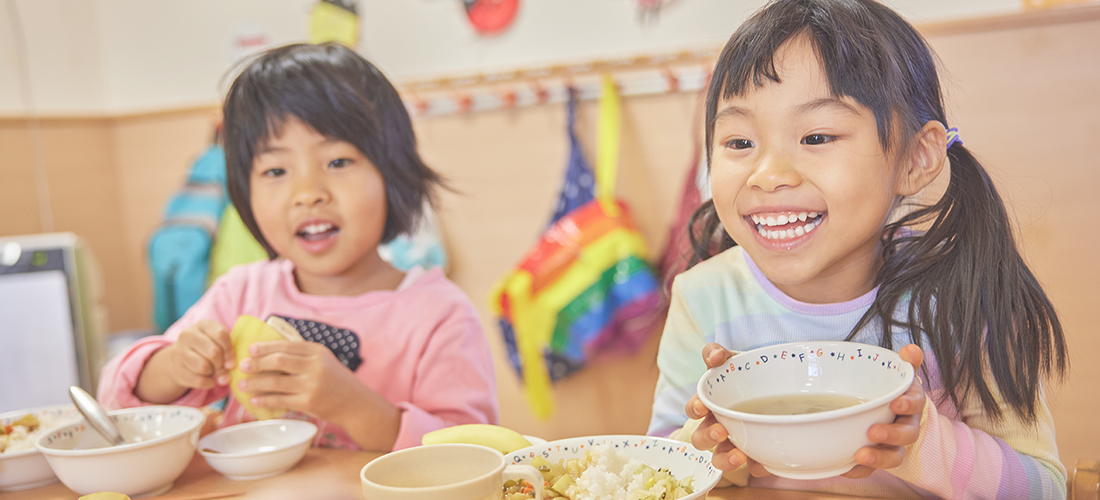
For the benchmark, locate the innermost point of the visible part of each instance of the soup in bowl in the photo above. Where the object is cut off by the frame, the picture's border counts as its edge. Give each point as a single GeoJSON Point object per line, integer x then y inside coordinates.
{"type": "Point", "coordinates": [802, 409]}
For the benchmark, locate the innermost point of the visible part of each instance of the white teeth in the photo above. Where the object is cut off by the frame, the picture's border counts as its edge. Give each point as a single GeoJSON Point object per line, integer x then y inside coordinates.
{"type": "Point", "coordinates": [802, 216]}
{"type": "Point", "coordinates": [763, 232]}
{"type": "Point", "coordinates": [810, 227]}
{"type": "Point", "coordinates": [781, 220]}
{"type": "Point", "coordinates": [755, 219]}
{"type": "Point", "coordinates": [316, 228]}
{"type": "Point", "coordinates": [812, 215]}
{"type": "Point", "coordinates": [799, 231]}
{"type": "Point", "coordinates": [790, 233]}
{"type": "Point", "coordinates": [771, 221]}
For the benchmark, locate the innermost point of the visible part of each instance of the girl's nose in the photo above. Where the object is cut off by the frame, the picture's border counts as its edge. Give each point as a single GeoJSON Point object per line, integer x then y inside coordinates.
{"type": "Point", "coordinates": [774, 171]}
{"type": "Point", "coordinates": [310, 191]}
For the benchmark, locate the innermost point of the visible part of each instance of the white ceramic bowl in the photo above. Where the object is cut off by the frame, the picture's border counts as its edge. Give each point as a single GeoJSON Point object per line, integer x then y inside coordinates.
{"type": "Point", "coordinates": [255, 450]}
{"type": "Point", "coordinates": [160, 443]}
{"type": "Point", "coordinates": [813, 445]}
{"type": "Point", "coordinates": [682, 459]}
{"type": "Point", "coordinates": [27, 468]}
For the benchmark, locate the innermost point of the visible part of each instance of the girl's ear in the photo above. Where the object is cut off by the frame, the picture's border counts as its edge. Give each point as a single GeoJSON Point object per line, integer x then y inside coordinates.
{"type": "Point", "coordinates": [926, 159]}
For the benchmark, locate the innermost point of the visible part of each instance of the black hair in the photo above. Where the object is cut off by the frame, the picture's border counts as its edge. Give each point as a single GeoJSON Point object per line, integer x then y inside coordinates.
{"type": "Point", "coordinates": [969, 290]}
{"type": "Point", "coordinates": [342, 96]}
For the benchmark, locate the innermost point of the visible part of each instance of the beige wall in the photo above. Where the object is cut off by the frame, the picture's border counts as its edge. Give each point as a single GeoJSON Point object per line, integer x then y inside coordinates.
{"type": "Point", "coordinates": [1022, 91]}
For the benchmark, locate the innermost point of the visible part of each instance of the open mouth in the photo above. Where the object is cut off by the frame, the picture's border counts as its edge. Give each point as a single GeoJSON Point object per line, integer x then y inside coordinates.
{"type": "Point", "coordinates": [317, 232]}
{"type": "Point", "coordinates": [787, 226]}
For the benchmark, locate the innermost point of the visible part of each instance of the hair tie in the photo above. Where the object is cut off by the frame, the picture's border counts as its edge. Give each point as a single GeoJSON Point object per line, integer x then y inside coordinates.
{"type": "Point", "coordinates": [953, 137]}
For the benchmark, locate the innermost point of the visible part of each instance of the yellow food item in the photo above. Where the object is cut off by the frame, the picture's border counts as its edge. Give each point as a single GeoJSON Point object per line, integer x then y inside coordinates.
{"type": "Point", "coordinates": [247, 330]}
{"type": "Point", "coordinates": [105, 495]}
{"type": "Point", "coordinates": [502, 439]}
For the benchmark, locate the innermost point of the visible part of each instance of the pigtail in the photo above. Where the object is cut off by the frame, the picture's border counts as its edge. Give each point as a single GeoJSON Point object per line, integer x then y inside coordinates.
{"type": "Point", "coordinates": [971, 293]}
{"type": "Point", "coordinates": [706, 234]}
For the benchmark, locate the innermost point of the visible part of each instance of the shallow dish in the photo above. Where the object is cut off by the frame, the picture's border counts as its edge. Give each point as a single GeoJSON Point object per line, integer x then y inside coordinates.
{"type": "Point", "coordinates": [255, 450]}
{"type": "Point", "coordinates": [27, 468]}
{"type": "Point", "coordinates": [682, 459]}
{"type": "Point", "coordinates": [812, 445]}
{"type": "Point", "coordinates": [160, 442]}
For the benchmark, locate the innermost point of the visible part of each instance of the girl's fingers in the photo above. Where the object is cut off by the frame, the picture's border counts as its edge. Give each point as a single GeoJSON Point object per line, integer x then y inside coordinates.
{"type": "Point", "coordinates": [709, 434]}
{"type": "Point", "coordinates": [727, 457]}
{"type": "Point", "coordinates": [696, 409]}
{"type": "Point", "coordinates": [268, 383]}
{"type": "Point", "coordinates": [903, 432]}
{"type": "Point", "coordinates": [912, 354]}
{"type": "Point", "coordinates": [858, 472]}
{"type": "Point", "coordinates": [881, 456]}
{"type": "Point", "coordinates": [714, 354]}
{"type": "Point", "coordinates": [220, 344]}
{"type": "Point", "coordinates": [758, 470]}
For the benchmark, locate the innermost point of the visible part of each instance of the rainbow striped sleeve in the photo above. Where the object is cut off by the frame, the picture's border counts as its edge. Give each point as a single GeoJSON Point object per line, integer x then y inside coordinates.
{"type": "Point", "coordinates": [969, 455]}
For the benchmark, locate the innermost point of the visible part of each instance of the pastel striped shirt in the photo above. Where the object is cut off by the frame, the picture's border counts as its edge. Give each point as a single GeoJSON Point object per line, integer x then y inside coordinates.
{"type": "Point", "coordinates": [961, 452]}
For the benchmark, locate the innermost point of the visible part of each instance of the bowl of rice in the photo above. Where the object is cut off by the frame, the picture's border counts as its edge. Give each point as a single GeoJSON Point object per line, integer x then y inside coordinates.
{"type": "Point", "coordinates": [21, 465]}
{"type": "Point", "coordinates": [619, 467]}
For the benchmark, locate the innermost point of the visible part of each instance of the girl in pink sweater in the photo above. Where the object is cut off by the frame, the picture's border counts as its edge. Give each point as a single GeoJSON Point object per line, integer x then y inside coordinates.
{"type": "Point", "coordinates": [323, 168]}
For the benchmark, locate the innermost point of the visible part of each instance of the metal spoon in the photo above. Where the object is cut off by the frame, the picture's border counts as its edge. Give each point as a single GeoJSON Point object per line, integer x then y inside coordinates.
{"type": "Point", "coordinates": [96, 416]}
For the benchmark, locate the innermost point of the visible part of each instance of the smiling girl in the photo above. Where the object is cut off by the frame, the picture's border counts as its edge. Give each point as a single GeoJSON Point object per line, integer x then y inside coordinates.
{"type": "Point", "coordinates": [825, 120]}
{"type": "Point", "coordinates": [323, 168]}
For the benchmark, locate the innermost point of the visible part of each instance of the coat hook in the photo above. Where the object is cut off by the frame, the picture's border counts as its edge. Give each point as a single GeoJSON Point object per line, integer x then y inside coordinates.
{"type": "Point", "coordinates": [464, 102]}
{"type": "Point", "coordinates": [671, 81]}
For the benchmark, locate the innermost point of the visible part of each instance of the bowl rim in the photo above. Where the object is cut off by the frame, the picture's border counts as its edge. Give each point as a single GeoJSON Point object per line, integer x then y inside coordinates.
{"type": "Point", "coordinates": [809, 417]}
{"type": "Point", "coordinates": [34, 449]}
{"type": "Point", "coordinates": [258, 423]}
{"type": "Point", "coordinates": [122, 447]}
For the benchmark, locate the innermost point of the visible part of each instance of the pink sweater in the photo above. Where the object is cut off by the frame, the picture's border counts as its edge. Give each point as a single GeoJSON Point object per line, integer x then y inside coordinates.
{"type": "Point", "coordinates": [421, 347]}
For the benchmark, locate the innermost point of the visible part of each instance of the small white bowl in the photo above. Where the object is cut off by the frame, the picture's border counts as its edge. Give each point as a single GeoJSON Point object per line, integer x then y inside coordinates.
{"type": "Point", "coordinates": [255, 450]}
{"type": "Point", "coordinates": [160, 443]}
{"type": "Point", "coordinates": [682, 459]}
{"type": "Point", "coordinates": [812, 445]}
{"type": "Point", "coordinates": [27, 468]}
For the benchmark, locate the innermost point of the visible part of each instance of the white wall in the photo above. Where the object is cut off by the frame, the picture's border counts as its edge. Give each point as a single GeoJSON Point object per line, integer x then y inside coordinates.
{"type": "Point", "coordinates": [123, 56]}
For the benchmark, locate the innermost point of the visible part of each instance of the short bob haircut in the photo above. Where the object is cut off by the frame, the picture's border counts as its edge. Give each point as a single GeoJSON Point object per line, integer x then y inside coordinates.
{"type": "Point", "coordinates": [342, 96]}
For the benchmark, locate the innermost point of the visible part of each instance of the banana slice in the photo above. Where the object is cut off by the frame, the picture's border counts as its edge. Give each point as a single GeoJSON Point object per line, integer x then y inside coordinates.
{"type": "Point", "coordinates": [502, 439]}
{"type": "Point", "coordinates": [104, 495]}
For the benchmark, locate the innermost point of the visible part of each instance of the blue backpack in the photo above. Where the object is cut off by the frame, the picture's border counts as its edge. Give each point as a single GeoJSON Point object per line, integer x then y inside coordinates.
{"type": "Point", "coordinates": [179, 249]}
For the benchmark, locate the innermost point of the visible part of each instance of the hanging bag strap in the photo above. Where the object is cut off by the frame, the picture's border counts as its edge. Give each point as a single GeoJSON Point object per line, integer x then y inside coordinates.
{"type": "Point", "coordinates": [608, 143]}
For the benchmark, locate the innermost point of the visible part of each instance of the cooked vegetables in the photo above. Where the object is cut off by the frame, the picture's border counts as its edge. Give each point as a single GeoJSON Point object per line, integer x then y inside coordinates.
{"type": "Point", "coordinates": [604, 473]}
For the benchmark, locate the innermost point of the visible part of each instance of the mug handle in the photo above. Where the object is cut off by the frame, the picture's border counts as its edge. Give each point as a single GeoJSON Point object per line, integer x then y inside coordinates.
{"type": "Point", "coordinates": [528, 473]}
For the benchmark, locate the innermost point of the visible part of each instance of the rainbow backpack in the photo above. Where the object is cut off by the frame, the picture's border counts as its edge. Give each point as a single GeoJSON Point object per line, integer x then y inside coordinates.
{"type": "Point", "coordinates": [585, 288]}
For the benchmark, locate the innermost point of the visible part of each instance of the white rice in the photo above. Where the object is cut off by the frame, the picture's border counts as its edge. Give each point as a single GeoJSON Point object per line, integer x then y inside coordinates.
{"type": "Point", "coordinates": [22, 439]}
{"type": "Point", "coordinates": [614, 476]}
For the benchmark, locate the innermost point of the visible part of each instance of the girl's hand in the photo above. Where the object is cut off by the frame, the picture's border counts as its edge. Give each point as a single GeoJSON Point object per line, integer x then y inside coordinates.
{"type": "Point", "coordinates": [307, 377]}
{"type": "Point", "coordinates": [302, 376]}
{"type": "Point", "coordinates": [710, 433]}
{"type": "Point", "coordinates": [199, 359]}
{"type": "Point", "coordinates": [202, 356]}
{"type": "Point", "coordinates": [893, 438]}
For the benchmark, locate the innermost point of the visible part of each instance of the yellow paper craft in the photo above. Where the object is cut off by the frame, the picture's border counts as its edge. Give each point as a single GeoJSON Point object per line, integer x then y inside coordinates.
{"type": "Point", "coordinates": [246, 331]}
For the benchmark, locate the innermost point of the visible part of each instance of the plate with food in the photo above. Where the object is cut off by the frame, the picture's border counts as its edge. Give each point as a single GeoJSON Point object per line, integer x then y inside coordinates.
{"type": "Point", "coordinates": [618, 467]}
{"type": "Point", "coordinates": [21, 465]}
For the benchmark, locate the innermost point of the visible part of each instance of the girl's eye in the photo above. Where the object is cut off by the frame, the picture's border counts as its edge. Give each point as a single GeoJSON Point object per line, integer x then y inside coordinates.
{"type": "Point", "coordinates": [740, 144]}
{"type": "Point", "coordinates": [816, 139]}
{"type": "Point", "coordinates": [273, 172]}
{"type": "Point", "coordinates": [339, 163]}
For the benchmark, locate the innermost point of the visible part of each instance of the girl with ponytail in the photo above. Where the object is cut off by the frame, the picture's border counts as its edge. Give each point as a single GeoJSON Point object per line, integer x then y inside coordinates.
{"type": "Point", "coordinates": [824, 122]}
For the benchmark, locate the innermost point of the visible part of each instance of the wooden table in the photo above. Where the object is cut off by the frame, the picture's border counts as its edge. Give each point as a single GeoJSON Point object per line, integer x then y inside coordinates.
{"type": "Point", "coordinates": [329, 475]}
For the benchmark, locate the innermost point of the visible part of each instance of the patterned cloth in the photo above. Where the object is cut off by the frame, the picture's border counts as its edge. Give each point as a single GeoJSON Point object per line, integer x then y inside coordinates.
{"type": "Point", "coordinates": [961, 452]}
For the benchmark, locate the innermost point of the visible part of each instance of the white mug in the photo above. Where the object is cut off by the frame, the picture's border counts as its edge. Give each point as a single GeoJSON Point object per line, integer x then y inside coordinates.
{"type": "Point", "coordinates": [452, 471]}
